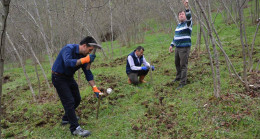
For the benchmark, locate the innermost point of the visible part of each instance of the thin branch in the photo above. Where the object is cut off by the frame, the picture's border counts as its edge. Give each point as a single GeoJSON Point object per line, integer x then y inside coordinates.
{"type": "Point", "coordinates": [21, 62]}
{"type": "Point", "coordinates": [243, 4]}
{"type": "Point", "coordinates": [97, 7]}
{"type": "Point", "coordinates": [252, 48]}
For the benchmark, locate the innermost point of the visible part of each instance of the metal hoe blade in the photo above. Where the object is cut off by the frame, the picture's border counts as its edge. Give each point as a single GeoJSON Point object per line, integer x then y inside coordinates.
{"type": "Point", "coordinates": [96, 45]}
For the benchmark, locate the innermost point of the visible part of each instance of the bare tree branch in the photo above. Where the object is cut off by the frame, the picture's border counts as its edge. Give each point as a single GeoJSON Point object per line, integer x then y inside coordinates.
{"type": "Point", "coordinates": [243, 45]}
{"type": "Point", "coordinates": [21, 62]}
{"type": "Point", "coordinates": [252, 48]}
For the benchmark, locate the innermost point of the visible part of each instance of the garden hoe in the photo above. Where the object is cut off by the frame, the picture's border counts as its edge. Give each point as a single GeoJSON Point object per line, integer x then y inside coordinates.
{"type": "Point", "coordinates": [96, 46]}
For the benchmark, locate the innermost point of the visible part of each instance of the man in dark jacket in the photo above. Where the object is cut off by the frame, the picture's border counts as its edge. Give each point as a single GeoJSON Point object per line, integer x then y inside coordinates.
{"type": "Point", "coordinates": [134, 66]}
{"type": "Point", "coordinates": [70, 59]}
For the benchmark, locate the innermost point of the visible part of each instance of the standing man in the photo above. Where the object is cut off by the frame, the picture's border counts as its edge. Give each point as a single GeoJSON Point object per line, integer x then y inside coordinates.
{"type": "Point", "coordinates": [134, 66]}
{"type": "Point", "coordinates": [70, 59]}
{"type": "Point", "coordinates": [182, 42]}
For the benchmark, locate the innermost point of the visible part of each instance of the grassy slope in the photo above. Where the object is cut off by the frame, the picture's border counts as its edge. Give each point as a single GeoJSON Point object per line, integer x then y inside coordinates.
{"type": "Point", "coordinates": [131, 112]}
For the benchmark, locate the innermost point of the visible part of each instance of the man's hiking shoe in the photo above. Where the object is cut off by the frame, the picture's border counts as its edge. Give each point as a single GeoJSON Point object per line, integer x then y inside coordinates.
{"type": "Point", "coordinates": [81, 132]}
{"type": "Point", "coordinates": [64, 122]}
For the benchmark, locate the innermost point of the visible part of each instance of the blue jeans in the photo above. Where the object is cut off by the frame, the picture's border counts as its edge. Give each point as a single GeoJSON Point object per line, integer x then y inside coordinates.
{"type": "Point", "coordinates": [69, 95]}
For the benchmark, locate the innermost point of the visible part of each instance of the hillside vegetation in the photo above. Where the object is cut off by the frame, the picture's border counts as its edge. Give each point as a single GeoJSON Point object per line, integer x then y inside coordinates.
{"type": "Point", "coordinates": [151, 110]}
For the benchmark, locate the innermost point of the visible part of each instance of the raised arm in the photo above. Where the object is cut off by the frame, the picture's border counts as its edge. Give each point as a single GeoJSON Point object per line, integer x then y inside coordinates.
{"type": "Point", "coordinates": [187, 12]}
{"type": "Point", "coordinates": [186, 4]}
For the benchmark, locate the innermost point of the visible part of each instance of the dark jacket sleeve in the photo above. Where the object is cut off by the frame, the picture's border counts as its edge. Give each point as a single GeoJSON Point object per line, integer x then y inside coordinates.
{"type": "Point", "coordinates": [67, 58]}
{"type": "Point", "coordinates": [88, 74]}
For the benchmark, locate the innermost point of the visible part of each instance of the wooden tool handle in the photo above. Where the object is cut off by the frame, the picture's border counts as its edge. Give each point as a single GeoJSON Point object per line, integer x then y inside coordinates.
{"type": "Point", "coordinates": [89, 64]}
{"type": "Point", "coordinates": [98, 106]}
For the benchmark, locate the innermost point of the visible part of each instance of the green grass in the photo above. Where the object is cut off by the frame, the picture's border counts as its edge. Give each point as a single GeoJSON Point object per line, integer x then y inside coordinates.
{"type": "Point", "coordinates": [136, 112]}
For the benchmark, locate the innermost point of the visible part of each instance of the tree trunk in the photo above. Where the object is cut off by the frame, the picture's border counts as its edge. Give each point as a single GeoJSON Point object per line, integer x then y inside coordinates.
{"type": "Point", "coordinates": [210, 22]}
{"type": "Point", "coordinates": [33, 54]}
{"type": "Point", "coordinates": [221, 47]}
{"type": "Point", "coordinates": [252, 12]}
{"type": "Point", "coordinates": [40, 27]}
{"type": "Point", "coordinates": [111, 23]}
{"type": "Point", "coordinates": [252, 48]}
{"type": "Point", "coordinates": [200, 38]}
{"type": "Point", "coordinates": [50, 23]}
{"type": "Point", "coordinates": [216, 57]}
{"type": "Point", "coordinates": [211, 64]}
{"type": "Point", "coordinates": [83, 18]}
{"type": "Point", "coordinates": [1, 84]}
{"type": "Point", "coordinates": [49, 52]}
{"type": "Point", "coordinates": [198, 42]}
{"type": "Point", "coordinates": [240, 12]}
{"type": "Point", "coordinates": [228, 12]}
{"type": "Point", "coordinates": [37, 75]}
{"type": "Point", "coordinates": [3, 25]}
{"type": "Point", "coordinates": [257, 66]}
{"type": "Point", "coordinates": [24, 70]}
{"type": "Point", "coordinates": [257, 10]}
{"type": "Point", "coordinates": [209, 53]}
{"type": "Point", "coordinates": [244, 31]}
{"type": "Point", "coordinates": [172, 9]}
{"type": "Point", "coordinates": [79, 78]}
{"type": "Point", "coordinates": [73, 39]}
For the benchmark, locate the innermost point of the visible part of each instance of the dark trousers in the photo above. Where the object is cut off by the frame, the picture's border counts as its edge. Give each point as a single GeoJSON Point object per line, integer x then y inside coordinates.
{"type": "Point", "coordinates": [68, 92]}
{"type": "Point", "coordinates": [134, 76]}
{"type": "Point", "coordinates": [181, 63]}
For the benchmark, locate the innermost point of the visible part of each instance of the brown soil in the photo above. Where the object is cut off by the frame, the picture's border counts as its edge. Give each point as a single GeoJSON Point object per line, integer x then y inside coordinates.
{"type": "Point", "coordinates": [167, 72]}
{"type": "Point", "coordinates": [118, 61]}
{"type": "Point", "coordinates": [163, 115]}
{"type": "Point", "coordinates": [45, 97]}
{"type": "Point", "coordinates": [7, 79]}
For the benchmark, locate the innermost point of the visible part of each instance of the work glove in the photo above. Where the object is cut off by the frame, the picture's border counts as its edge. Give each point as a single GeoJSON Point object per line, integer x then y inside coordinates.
{"type": "Point", "coordinates": [97, 92]}
{"type": "Point", "coordinates": [144, 68]}
{"type": "Point", "coordinates": [152, 67]}
{"type": "Point", "coordinates": [88, 59]}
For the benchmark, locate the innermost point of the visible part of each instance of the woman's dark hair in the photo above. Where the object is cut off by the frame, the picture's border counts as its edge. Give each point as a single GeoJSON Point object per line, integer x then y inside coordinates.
{"type": "Point", "coordinates": [87, 40]}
